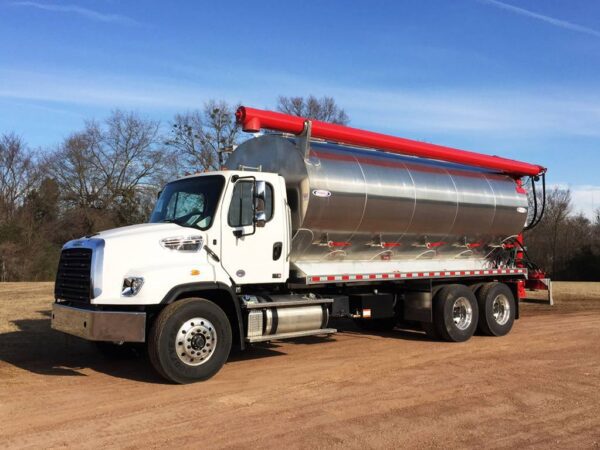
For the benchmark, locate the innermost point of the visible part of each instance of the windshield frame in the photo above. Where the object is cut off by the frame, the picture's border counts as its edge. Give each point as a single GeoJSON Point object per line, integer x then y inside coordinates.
{"type": "Point", "coordinates": [196, 225]}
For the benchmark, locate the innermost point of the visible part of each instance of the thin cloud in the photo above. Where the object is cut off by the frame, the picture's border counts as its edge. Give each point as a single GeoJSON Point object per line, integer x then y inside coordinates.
{"type": "Point", "coordinates": [506, 111]}
{"type": "Point", "coordinates": [83, 12]}
{"type": "Point", "coordinates": [551, 20]}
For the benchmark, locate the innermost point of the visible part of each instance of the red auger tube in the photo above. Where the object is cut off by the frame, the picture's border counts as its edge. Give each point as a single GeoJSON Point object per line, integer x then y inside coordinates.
{"type": "Point", "coordinates": [253, 120]}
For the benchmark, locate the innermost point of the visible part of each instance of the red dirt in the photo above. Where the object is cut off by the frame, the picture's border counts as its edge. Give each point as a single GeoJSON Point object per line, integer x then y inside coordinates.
{"type": "Point", "coordinates": [537, 387]}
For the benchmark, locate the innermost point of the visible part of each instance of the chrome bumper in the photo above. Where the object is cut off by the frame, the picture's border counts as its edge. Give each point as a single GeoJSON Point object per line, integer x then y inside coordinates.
{"type": "Point", "coordinates": [115, 326]}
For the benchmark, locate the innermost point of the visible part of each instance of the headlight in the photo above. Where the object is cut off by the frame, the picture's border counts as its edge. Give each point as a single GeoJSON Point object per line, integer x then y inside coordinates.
{"type": "Point", "coordinates": [131, 286]}
{"type": "Point", "coordinates": [183, 244]}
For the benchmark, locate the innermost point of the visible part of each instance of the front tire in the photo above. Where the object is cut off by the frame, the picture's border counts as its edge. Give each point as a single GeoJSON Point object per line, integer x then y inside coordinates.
{"type": "Point", "coordinates": [189, 341]}
{"type": "Point", "coordinates": [496, 309]}
{"type": "Point", "coordinates": [455, 313]}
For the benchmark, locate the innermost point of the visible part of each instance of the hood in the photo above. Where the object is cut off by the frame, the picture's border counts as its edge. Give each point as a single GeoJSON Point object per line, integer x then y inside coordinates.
{"type": "Point", "coordinates": [137, 251]}
{"type": "Point", "coordinates": [145, 229]}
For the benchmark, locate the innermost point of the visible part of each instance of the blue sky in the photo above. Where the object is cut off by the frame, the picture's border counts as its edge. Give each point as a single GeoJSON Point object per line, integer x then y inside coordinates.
{"type": "Point", "coordinates": [519, 79]}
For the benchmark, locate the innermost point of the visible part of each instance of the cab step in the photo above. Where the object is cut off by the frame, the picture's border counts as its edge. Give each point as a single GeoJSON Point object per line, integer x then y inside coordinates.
{"type": "Point", "coordinates": [296, 334]}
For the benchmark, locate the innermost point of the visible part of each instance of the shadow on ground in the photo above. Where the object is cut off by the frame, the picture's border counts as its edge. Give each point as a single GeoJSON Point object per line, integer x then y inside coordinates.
{"type": "Point", "coordinates": [39, 349]}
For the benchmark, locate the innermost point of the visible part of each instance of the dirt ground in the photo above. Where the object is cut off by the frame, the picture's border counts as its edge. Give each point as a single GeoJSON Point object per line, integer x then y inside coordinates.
{"type": "Point", "coordinates": [538, 387]}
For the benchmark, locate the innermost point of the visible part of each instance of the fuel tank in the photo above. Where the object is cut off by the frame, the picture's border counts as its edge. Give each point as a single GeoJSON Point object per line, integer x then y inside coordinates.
{"type": "Point", "coordinates": [356, 204]}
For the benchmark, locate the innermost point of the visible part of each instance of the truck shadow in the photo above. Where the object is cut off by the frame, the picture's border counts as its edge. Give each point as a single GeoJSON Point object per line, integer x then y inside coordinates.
{"type": "Point", "coordinates": [35, 347]}
{"type": "Point", "coordinates": [348, 327]}
{"type": "Point", "coordinates": [39, 349]}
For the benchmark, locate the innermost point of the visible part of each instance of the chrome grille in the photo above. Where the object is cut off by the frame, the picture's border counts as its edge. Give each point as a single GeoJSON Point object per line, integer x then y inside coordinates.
{"type": "Point", "coordinates": [73, 279]}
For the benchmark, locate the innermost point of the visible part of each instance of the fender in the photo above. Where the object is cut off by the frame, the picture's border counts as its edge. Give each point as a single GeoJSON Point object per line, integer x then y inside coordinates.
{"type": "Point", "coordinates": [179, 290]}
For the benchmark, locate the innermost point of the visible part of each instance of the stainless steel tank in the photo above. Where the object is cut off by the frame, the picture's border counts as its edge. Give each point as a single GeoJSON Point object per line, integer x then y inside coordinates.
{"type": "Point", "coordinates": [356, 204]}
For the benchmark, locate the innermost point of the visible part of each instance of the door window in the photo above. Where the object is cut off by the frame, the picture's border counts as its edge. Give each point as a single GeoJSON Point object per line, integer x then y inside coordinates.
{"type": "Point", "coordinates": [241, 209]}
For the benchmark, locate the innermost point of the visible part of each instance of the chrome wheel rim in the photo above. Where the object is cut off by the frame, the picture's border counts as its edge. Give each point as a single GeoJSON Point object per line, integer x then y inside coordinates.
{"type": "Point", "coordinates": [196, 341]}
{"type": "Point", "coordinates": [501, 309]}
{"type": "Point", "coordinates": [462, 313]}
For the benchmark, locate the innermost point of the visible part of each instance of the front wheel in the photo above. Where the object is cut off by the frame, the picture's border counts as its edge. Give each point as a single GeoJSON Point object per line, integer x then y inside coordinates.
{"type": "Point", "coordinates": [189, 341]}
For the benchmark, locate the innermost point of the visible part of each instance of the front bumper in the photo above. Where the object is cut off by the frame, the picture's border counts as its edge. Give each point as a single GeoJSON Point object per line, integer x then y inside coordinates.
{"type": "Point", "coordinates": [94, 325]}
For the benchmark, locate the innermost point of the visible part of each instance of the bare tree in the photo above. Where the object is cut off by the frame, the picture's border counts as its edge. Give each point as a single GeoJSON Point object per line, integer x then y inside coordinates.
{"type": "Point", "coordinates": [558, 208]}
{"type": "Point", "coordinates": [18, 173]}
{"type": "Point", "coordinates": [551, 241]}
{"type": "Point", "coordinates": [324, 109]}
{"type": "Point", "coordinates": [107, 168]}
{"type": "Point", "coordinates": [201, 138]}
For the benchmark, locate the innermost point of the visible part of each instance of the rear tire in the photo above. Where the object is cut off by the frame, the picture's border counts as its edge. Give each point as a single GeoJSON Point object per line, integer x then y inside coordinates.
{"type": "Point", "coordinates": [496, 309]}
{"type": "Point", "coordinates": [376, 324]}
{"type": "Point", "coordinates": [189, 341]}
{"type": "Point", "coordinates": [455, 313]}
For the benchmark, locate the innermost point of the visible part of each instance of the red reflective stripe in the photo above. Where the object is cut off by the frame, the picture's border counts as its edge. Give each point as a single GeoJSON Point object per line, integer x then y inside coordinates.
{"type": "Point", "coordinates": [396, 275]}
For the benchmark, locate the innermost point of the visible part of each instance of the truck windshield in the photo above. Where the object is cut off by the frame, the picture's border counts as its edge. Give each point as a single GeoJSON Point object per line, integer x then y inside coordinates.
{"type": "Point", "coordinates": [190, 203]}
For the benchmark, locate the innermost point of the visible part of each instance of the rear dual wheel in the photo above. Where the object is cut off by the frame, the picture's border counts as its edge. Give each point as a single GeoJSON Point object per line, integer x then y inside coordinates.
{"type": "Point", "coordinates": [459, 310]}
{"type": "Point", "coordinates": [455, 313]}
{"type": "Point", "coordinates": [497, 309]}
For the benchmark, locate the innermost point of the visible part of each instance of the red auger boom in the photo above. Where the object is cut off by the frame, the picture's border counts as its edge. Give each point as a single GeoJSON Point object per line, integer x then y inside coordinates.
{"type": "Point", "coordinates": [253, 120]}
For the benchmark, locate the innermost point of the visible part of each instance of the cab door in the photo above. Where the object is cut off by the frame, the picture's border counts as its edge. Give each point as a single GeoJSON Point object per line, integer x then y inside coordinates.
{"type": "Point", "coordinates": [255, 251]}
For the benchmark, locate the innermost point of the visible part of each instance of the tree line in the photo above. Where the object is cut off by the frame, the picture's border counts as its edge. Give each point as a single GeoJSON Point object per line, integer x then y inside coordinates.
{"type": "Point", "coordinates": [566, 244]}
{"type": "Point", "coordinates": [107, 174]}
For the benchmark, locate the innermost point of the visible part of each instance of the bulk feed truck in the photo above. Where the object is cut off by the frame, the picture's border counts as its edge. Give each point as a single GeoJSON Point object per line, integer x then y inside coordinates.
{"type": "Point", "coordinates": [308, 222]}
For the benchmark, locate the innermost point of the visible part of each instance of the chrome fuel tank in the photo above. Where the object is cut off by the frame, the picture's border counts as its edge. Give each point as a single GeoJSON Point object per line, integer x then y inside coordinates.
{"type": "Point", "coordinates": [357, 204]}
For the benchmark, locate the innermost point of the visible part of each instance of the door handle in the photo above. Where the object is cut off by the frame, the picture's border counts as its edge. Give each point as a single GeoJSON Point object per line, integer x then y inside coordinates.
{"type": "Point", "coordinates": [277, 248]}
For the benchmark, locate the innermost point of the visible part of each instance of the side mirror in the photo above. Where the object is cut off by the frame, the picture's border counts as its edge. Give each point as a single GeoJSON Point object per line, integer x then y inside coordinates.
{"type": "Point", "coordinates": [260, 194]}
